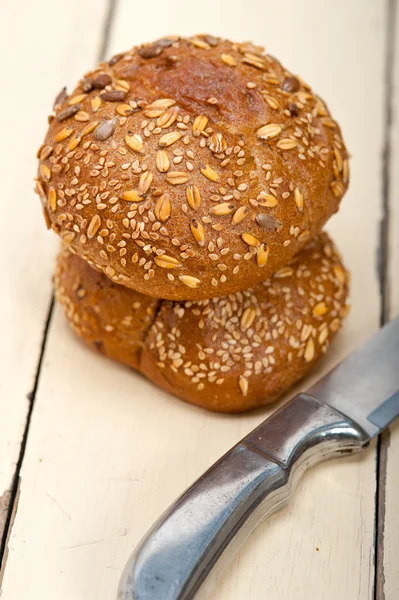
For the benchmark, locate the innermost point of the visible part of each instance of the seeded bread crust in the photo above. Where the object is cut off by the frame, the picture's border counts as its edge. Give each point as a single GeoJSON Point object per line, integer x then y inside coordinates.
{"type": "Point", "coordinates": [190, 168]}
{"type": "Point", "coordinates": [227, 354]}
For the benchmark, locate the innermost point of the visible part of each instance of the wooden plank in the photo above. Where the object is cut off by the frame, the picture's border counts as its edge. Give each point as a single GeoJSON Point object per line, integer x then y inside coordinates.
{"type": "Point", "coordinates": [107, 452]}
{"type": "Point", "coordinates": [42, 56]}
{"type": "Point", "coordinates": [29, 38]}
{"type": "Point", "coordinates": [389, 531]}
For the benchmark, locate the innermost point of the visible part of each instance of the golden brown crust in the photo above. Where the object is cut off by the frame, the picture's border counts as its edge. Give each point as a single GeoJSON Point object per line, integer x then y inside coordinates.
{"type": "Point", "coordinates": [111, 318]}
{"type": "Point", "coordinates": [190, 168]}
{"type": "Point", "coordinates": [227, 354]}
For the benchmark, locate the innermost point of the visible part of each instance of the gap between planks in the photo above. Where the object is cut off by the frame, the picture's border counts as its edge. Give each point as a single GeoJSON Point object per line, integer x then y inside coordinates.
{"type": "Point", "coordinates": [9, 500]}
{"type": "Point", "coordinates": [383, 273]}
{"type": "Point", "coordinates": [13, 492]}
{"type": "Point", "coordinates": [383, 281]}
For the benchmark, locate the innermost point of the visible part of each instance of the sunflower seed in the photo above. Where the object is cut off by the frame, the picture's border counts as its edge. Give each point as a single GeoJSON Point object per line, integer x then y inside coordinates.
{"type": "Point", "coordinates": [60, 98]}
{"type": "Point", "coordinates": [268, 222]}
{"type": "Point", "coordinates": [168, 41]}
{"type": "Point", "coordinates": [113, 96]}
{"type": "Point", "coordinates": [67, 113]}
{"type": "Point", "coordinates": [210, 39]}
{"type": "Point", "coordinates": [105, 130]}
{"type": "Point", "coordinates": [293, 108]}
{"type": "Point", "coordinates": [291, 85]}
{"type": "Point", "coordinates": [101, 81]}
{"type": "Point", "coordinates": [116, 58]}
{"type": "Point", "coordinates": [87, 85]}
{"type": "Point", "coordinates": [150, 51]}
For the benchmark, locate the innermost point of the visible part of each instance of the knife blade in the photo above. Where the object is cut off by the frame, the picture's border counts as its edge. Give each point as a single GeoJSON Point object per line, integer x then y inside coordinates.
{"type": "Point", "coordinates": [195, 538]}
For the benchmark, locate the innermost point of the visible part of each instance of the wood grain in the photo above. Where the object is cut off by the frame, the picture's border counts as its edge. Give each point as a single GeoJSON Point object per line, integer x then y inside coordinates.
{"type": "Point", "coordinates": [107, 452]}
{"type": "Point", "coordinates": [25, 256]}
{"type": "Point", "coordinates": [389, 536]}
{"type": "Point", "coordinates": [41, 56]}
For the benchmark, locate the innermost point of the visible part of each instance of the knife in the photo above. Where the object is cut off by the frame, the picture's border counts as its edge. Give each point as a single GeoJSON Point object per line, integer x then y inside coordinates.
{"type": "Point", "coordinates": [187, 546]}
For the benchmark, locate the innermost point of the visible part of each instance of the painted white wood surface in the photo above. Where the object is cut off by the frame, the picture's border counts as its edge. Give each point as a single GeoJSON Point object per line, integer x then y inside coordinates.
{"type": "Point", "coordinates": [38, 55]}
{"type": "Point", "coordinates": [391, 529]}
{"type": "Point", "coordinates": [107, 452]}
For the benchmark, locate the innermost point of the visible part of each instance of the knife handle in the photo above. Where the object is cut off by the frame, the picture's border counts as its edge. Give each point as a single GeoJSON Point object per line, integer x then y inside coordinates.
{"type": "Point", "coordinates": [218, 512]}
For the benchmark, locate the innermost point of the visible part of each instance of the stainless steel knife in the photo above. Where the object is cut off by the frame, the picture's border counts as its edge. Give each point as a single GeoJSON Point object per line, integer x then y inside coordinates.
{"type": "Point", "coordinates": [337, 416]}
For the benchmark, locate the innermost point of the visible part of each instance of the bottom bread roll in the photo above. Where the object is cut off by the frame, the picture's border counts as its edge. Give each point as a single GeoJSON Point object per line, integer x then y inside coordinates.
{"type": "Point", "coordinates": [227, 354]}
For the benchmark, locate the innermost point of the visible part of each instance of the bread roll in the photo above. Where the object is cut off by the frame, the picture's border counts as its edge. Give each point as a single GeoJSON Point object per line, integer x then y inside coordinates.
{"type": "Point", "coordinates": [226, 354]}
{"type": "Point", "coordinates": [190, 168]}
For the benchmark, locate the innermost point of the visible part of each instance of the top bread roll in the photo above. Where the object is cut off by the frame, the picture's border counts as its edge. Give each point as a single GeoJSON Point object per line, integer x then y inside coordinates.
{"type": "Point", "coordinates": [190, 168]}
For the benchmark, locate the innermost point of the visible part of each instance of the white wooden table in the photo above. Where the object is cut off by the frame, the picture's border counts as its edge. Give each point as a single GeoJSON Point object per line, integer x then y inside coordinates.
{"type": "Point", "coordinates": [90, 453]}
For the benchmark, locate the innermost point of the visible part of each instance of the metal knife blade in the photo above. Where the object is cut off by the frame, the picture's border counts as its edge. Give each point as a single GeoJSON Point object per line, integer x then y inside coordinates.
{"type": "Point", "coordinates": [339, 415]}
{"type": "Point", "coordinates": [365, 386]}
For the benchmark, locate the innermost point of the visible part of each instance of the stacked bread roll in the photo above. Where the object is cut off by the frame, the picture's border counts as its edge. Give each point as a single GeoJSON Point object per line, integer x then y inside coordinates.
{"type": "Point", "coordinates": [189, 180]}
